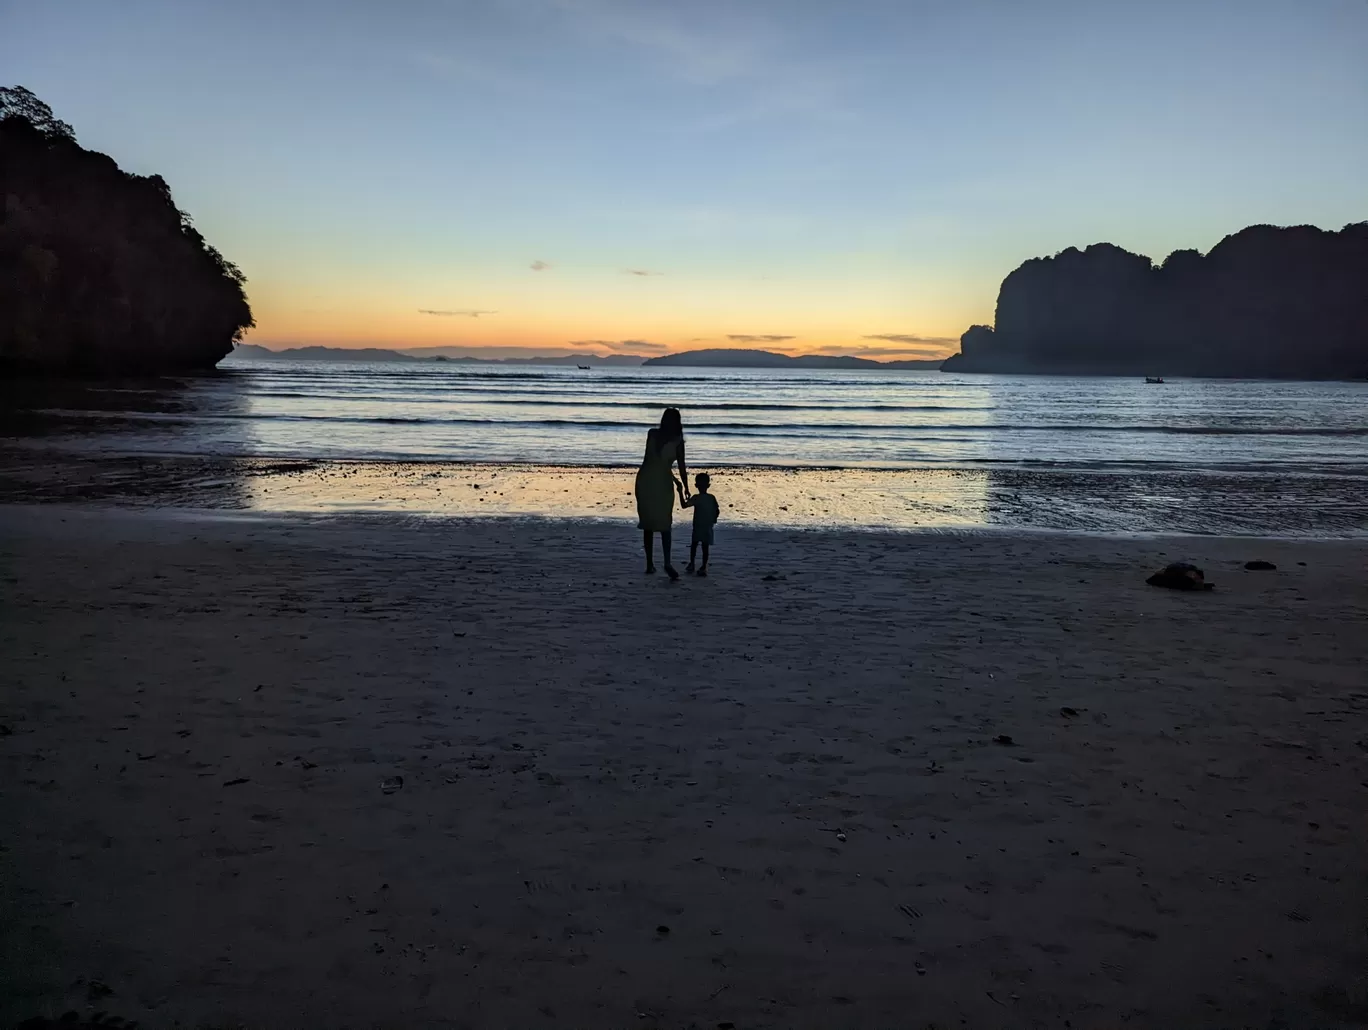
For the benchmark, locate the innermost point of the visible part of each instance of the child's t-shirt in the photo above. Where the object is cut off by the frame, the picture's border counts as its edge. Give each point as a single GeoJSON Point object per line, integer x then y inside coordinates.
{"type": "Point", "coordinates": [705, 511]}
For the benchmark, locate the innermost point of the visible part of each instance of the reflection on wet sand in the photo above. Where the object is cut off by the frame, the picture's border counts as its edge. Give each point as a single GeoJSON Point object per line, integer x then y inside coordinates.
{"type": "Point", "coordinates": [825, 498]}
{"type": "Point", "coordinates": [1014, 498]}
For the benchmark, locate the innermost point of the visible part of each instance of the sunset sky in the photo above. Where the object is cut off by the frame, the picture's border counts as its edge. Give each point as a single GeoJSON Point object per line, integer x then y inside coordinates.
{"type": "Point", "coordinates": [801, 175]}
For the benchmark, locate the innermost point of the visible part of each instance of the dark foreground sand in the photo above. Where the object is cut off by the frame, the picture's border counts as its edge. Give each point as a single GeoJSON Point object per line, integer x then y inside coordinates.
{"type": "Point", "coordinates": [767, 799]}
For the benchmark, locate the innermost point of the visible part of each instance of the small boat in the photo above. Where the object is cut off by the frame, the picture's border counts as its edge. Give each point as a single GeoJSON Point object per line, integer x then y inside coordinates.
{"type": "Point", "coordinates": [583, 368]}
{"type": "Point", "coordinates": [1155, 379]}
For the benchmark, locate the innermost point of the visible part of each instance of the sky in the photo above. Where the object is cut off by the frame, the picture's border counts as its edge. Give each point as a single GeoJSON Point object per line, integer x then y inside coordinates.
{"type": "Point", "coordinates": [645, 176]}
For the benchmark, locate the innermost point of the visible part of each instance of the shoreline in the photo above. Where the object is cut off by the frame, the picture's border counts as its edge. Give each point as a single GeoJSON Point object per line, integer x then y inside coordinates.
{"type": "Point", "coordinates": [1193, 502]}
{"type": "Point", "coordinates": [793, 767]}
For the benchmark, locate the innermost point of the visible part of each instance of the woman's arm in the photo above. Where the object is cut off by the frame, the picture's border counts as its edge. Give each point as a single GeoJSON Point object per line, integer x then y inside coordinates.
{"type": "Point", "coordinates": [683, 468]}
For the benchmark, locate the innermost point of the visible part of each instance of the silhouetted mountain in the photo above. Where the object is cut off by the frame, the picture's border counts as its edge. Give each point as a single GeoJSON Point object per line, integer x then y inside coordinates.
{"type": "Point", "coordinates": [251, 350]}
{"type": "Point", "coordinates": [456, 355]}
{"type": "Point", "coordinates": [446, 354]}
{"type": "Point", "coordinates": [1266, 302]}
{"type": "Point", "coordinates": [723, 357]}
{"type": "Point", "coordinates": [99, 272]}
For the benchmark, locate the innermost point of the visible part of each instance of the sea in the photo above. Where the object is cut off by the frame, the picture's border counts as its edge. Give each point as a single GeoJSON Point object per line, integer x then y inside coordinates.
{"type": "Point", "coordinates": [1302, 443]}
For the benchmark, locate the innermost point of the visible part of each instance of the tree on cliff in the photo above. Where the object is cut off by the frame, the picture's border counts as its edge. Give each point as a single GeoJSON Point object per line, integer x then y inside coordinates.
{"type": "Point", "coordinates": [1264, 302]}
{"type": "Point", "coordinates": [100, 273]}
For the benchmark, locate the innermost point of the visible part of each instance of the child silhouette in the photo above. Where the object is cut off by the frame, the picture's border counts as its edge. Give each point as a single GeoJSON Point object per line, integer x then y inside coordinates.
{"type": "Point", "coordinates": [705, 511]}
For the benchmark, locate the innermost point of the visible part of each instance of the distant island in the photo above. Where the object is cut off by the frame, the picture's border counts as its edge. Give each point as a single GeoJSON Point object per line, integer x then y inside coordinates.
{"type": "Point", "coordinates": [716, 358]}
{"type": "Point", "coordinates": [1265, 302]}
{"type": "Point", "coordinates": [100, 273]}
{"type": "Point", "coordinates": [452, 355]}
{"type": "Point", "coordinates": [722, 357]}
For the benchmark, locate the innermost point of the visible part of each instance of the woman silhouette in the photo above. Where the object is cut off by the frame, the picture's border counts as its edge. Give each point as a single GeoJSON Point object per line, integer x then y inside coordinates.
{"type": "Point", "coordinates": [655, 485]}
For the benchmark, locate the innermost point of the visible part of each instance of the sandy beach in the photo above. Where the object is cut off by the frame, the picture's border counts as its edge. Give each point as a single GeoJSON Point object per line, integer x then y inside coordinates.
{"type": "Point", "coordinates": [406, 772]}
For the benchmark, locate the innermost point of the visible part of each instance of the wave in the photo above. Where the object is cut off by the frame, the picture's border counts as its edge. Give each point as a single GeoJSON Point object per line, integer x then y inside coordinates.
{"type": "Point", "coordinates": [731, 428]}
{"type": "Point", "coordinates": [443, 375]}
{"type": "Point", "coordinates": [531, 399]}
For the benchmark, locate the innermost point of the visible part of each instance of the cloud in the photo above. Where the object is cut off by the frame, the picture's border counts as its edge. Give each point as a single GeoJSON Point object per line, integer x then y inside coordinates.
{"type": "Point", "coordinates": [459, 313]}
{"type": "Point", "coordinates": [469, 69]}
{"type": "Point", "coordinates": [899, 345]}
{"type": "Point", "coordinates": [731, 45]}
{"type": "Point", "coordinates": [705, 59]}
{"type": "Point", "coordinates": [640, 271]}
{"type": "Point", "coordinates": [625, 346]}
{"type": "Point", "coordinates": [540, 266]}
{"type": "Point", "coordinates": [931, 341]}
{"type": "Point", "coordinates": [758, 338]}
{"type": "Point", "coordinates": [869, 352]}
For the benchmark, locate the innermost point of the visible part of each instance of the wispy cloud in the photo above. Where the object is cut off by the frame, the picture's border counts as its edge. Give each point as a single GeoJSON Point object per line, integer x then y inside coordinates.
{"type": "Point", "coordinates": [623, 346]}
{"type": "Point", "coordinates": [896, 345]}
{"type": "Point", "coordinates": [758, 338]}
{"type": "Point", "coordinates": [640, 271]}
{"type": "Point", "coordinates": [723, 45]}
{"type": "Point", "coordinates": [456, 313]}
{"type": "Point", "coordinates": [872, 352]}
{"type": "Point", "coordinates": [472, 70]}
{"type": "Point", "coordinates": [936, 341]}
{"type": "Point", "coordinates": [540, 266]}
{"type": "Point", "coordinates": [697, 56]}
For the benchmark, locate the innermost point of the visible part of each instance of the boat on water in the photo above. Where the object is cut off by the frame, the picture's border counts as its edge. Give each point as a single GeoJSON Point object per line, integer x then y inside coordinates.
{"type": "Point", "coordinates": [1154, 379]}
{"type": "Point", "coordinates": [584, 368]}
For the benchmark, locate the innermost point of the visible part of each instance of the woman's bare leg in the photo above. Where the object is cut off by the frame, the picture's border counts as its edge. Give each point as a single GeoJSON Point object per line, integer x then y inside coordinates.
{"type": "Point", "coordinates": [665, 553]}
{"type": "Point", "coordinates": [646, 542]}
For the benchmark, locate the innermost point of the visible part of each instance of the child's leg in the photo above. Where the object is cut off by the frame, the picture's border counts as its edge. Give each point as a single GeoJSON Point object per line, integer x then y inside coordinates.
{"type": "Point", "coordinates": [705, 555]}
{"type": "Point", "coordinates": [693, 551]}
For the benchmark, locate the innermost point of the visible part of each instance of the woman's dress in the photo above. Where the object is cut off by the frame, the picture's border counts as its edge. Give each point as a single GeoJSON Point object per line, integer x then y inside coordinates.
{"type": "Point", "coordinates": [655, 489]}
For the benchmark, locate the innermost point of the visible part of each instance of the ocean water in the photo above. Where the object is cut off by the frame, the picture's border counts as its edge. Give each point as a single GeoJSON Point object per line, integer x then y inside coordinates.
{"type": "Point", "coordinates": [808, 449]}
{"type": "Point", "coordinates": [786, 419]}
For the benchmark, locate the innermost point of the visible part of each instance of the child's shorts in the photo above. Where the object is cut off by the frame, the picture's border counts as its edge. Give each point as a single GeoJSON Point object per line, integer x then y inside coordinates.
{"type": "Point", "coordinates": [703, 535]}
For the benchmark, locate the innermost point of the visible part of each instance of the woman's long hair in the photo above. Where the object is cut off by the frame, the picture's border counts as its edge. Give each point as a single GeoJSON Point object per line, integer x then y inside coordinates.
{"type": "Point", "coordinates": [671, 427]}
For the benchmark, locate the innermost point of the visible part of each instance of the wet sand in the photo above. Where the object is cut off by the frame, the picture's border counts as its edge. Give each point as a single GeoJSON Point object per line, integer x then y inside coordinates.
{"type": "Point", "coordinates": [1319, 505]}
{"type": "Point", "coordinates": [850, 780]}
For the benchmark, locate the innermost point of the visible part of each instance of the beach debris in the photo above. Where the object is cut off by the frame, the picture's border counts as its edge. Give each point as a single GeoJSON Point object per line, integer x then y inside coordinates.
{"type": "Point", "coordinates": [840, 835]}
{"type": "Point", "coordinates": [772, 578]}
{"type": "Point", "coordinates": [391, 783]}
{"type": "Point", "coordinates": [1004, 740]}
{"type": "Point", "coordinates": [97, 989]}
{"type": "Point", "coordinates": [1260, 566]}
{"type": "Point", "coordinates": [1067, 712]}
{"type": "Point", "coordinates": [1180, 575]}
{"type": "Point", "coordinates": [663, 930]}
{"type": "Point", "coordinates": [237, 782]}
